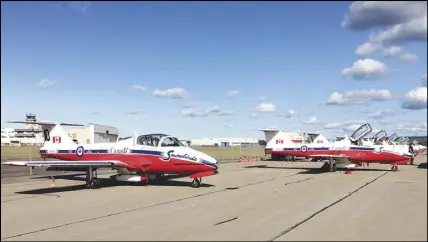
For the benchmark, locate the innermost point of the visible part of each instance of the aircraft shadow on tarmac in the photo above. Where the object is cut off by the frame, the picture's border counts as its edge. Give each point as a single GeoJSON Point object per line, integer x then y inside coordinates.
{"type": "Point", "coordinates": [423, 165]}
{"type": "Point", "coordinates": [105, 183]}
{"type": "Point", "coordinates": [72, 177]}
{"type": "Point", "coordinates": [313, 170]}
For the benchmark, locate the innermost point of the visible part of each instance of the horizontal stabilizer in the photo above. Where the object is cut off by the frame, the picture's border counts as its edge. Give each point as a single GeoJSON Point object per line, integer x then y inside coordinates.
{"type": "Point", "coordinates": [104, 163]}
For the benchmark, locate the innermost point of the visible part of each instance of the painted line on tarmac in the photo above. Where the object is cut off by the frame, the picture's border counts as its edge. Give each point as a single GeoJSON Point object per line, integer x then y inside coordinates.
{"type": "Point", "coordinates": [149, 206]}
{"type": "Point", "coordinates": [326, 207]}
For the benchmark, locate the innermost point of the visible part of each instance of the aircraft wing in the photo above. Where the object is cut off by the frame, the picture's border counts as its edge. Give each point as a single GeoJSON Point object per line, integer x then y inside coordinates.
{"type": "Point", "coordinates": [95, 163]}
{"type": "Point", "coordinates": [338, 158]}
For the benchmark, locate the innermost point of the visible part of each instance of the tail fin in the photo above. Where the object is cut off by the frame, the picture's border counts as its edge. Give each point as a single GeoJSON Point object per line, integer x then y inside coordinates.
{"type": "Point", "coordinates": [53, 133]}
{"type": "Point", "coordinates": [321, 140]}
{"type": "Point", "coordinates": [275, 137]}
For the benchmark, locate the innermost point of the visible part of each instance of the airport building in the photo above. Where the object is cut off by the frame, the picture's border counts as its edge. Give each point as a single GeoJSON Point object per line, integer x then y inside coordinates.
{"type": "Point", "coordinates": [93, 133]}
{"type": "Point", "coordinates": [224, 142]}
{"type": "Point", "coordinates": [32, 135]}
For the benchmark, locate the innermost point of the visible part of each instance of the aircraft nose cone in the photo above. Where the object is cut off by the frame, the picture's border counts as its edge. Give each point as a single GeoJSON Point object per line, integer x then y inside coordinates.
{"type": "Point", "coordinates": [215, 164]}
{"type": "Point", "coordinates": [211, 162]}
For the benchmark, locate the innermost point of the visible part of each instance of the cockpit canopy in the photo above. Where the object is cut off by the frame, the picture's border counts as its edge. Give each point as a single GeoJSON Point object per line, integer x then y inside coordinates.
{"type": "Point", "coordinates": [380, 135]}
{"type": "Point", "coordinates": [159, 140]}
{"type": "Point", "coordinates": [392, 138]}
{"type": "Point", "coordinates": [402, 140]}
{"type": "Point", "coordinates": [362, 131]}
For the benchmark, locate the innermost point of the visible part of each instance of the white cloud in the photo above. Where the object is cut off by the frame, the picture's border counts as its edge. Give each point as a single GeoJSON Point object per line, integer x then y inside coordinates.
{"type": "Point", "coordinates": [358, 97]}
{"type": "Point", "coordinates": [44, 83]}
{"type": "Point", "coordinates": [382, 114]}
{"type": "Point", "coordinates": [263, 108]}
{"type": "Point", "coordinates": [414, 30]}
{"type": "Point", "coordinates": [369, 48]}
{"type": "Point", "coordinates": [176, 93]}
{"type": "Point", "coordinates": [365, 68]}
{"type": "Point", "coordinates": [333, 126]}
{"type": "Point", "coordinates": [190, 112]}
{"type": "Point", "coordinates": [416, 99]}
{"type": "Point", "coordinates": [346, 126]}
{"type": "Point", "coordinates": [225, 113]}
{"type": "Point", "coordinates": [134, 112]}
{"type": "Point", "coordinates": [79, 6]}
{"type": "Point", "coordinates": [312, 120]}
{"type": "Point", "coordinates": [262, 99]}
{"type": "Point", "coordinates": [199, 112]}
{"type": "Point", "coordinates": [366, 49]}
{"type": "Point", "coordinates": [419, 128]}
{"type": "Point", "coordinates": [96, 113]}
{"type": "Point", "coordinates": [291, 113]}
{"type": "Point", "coordinates": [408, 57]}
{"type": "Point", "coordinates": [232, 94]}
{"type": "Point", "coordinates": [354, 122]}
{"type": "Point", "coordinates": [391, 51]}
{"type": "Point", "coordinates": [364, 15]}
{"type": "Point", "coordinates": [139, 88]}
{"type": "Point", "coordinates": [351, 128]}
{"type": "Point", "coordinates": [395, 22]}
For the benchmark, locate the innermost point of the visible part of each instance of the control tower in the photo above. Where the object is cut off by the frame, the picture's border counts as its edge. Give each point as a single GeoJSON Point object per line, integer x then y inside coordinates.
{"type": "Point", "coordinates": [31, 117]}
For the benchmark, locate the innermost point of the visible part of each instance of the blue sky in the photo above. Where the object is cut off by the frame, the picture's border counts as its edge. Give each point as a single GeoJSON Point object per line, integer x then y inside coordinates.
{"type": "Point", "coordinates": [169, 66]}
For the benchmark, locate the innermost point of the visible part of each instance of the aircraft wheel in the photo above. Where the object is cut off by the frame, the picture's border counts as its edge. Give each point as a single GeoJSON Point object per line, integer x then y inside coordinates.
{"type": "Point", "coordinates": [394, 168]}
{"type": "Point", "coordinates": [95, 184]}
{"type": "Point", "coordinates": [325, 166]}
{"type": "Point", "coordinates": [196, 183]}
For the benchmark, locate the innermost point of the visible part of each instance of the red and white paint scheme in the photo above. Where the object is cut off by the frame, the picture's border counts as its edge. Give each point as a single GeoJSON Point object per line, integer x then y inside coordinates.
{"type": "Point", "coordinates": [339, 154]}
{"type": "Point", "coordinates": [395, 144]}
{"type": "Point", "coordinates": [136, 159]}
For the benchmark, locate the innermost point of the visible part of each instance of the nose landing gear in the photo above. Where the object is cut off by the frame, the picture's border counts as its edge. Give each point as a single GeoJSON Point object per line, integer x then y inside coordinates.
{"type": "Point", "coordinates": [196, 183]}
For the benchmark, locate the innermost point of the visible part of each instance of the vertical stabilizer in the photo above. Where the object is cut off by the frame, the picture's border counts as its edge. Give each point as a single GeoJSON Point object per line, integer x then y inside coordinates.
{"type": "Point", "coordinates": [277, 138]}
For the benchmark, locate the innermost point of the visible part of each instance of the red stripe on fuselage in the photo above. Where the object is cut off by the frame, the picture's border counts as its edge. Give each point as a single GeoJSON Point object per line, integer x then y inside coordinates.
{"type": "Point", "coordinates": [360, 155]}
{"type": "Point", "coordinates": [136, 161]}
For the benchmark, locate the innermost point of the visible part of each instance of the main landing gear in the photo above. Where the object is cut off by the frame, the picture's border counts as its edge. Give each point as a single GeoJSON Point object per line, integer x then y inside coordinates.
{"type": "Point", "coordinates": [394, 168]}
{"type": "Point", "coordinates": [196, 183]}
{"type": "Point", "coordinates": [92, 181]}
{"type": "Point", "coordinates": [329, 166]}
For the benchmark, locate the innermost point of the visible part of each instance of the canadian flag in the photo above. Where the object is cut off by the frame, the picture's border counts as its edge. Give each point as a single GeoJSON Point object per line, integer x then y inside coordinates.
{"type": "Point", "coordinates": [56, 139]}
{"type": "Point", "coordinates": [279, 141]}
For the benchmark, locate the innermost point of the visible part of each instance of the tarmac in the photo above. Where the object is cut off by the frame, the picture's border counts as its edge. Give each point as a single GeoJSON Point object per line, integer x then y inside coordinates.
{"type": "Point", "coordinates": [257, 201]}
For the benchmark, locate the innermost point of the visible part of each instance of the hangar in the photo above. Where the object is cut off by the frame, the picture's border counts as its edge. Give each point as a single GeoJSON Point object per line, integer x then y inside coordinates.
{"type": "Point", "coordinates": [224, 142]}
{"type": "Point", "coordinates": [93, 133]}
